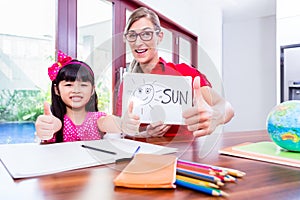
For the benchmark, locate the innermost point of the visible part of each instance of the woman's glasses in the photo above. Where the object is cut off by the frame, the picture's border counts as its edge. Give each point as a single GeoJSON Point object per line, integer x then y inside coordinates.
{"type": "Point", "coordinates": [131, 36]}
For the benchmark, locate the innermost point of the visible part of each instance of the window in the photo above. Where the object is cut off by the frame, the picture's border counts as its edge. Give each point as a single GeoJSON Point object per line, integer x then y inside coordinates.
{"type": "Point", "coordinates": [27, 37]}
{"type": "Point", "coordinates": [27, 49]}
{"type": "Point", "coordinates": [90, 30]}
{"type": "Point", "coordinates": [184, 51]}
{"type": "Point", "coordinates": [166, 46]}
{"type": "Point", "coordinates": [94, 45]}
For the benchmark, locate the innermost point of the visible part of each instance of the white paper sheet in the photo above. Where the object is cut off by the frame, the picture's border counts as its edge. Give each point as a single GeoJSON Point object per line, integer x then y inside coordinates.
{"type": "Point", "coordinates": [31, 159]}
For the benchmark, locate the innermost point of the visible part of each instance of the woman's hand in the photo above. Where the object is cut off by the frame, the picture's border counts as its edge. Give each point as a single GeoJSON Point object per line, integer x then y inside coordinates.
{"type": "Point", "coordinates": [157, 129]}
{"type": "Point", "coordinates": [201, 119]}
{"type": "Point", "coordinates": [130, 124]}
{"type": "Point", "coordinates": [47, 124]}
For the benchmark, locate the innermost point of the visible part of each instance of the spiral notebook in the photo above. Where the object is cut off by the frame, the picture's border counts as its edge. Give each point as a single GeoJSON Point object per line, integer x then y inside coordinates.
{"type": "Point", "coordinates": [264, 151]}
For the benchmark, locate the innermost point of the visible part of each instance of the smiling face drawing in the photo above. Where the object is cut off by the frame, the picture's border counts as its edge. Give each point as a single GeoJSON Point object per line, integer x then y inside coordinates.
{"type": "Point", "coordinates": [144, 94]}
{"type": "Point", "coordinates": [147, 98]}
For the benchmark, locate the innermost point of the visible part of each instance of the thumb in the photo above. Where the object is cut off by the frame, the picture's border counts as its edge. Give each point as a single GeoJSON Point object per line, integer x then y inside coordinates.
{"type": "Point", "coordinates": [198, 98]}
{"type": "Point", "coordinates": [47, 110]}
{"type": "Point", "coordinates": [130, 107]}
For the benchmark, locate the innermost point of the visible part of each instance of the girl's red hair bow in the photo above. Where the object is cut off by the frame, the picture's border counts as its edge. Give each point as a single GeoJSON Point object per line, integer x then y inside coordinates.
{"type": "Point", "coordinates": [62, 60]}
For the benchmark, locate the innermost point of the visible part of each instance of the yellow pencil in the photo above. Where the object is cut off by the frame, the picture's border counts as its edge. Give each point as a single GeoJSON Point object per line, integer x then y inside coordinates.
{"type": "Point", "coordinates": [196, 181]}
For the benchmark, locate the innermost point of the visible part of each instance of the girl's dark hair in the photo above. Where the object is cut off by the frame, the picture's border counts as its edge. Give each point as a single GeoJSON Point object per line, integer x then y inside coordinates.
{"type": "Point", "coordinates": [74, 70]}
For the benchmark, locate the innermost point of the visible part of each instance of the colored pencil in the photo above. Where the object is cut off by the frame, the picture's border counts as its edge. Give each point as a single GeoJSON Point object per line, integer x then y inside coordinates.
{"type": "Point", "coordinates": [120, 160]}
{"type": "Point", "coordinates": [200, 188]}
{"type": "Point", "coordinates": [136, 151]}
{"type": "Point", "coordinates": [226, 178]}
{"type": "Point", "coordinates": [203, 166]}
{"type": "Point", "coordinates": [221, 170]}
{"type": "Point", "coordinates": [201, 176]}
{"type": "Point", "coordinates": [234, 172]}
{"type": "Point", "coordinates": [196, 169]}
{"type": "Point", "coordinates": [197, 181]}
{"type": "Point", "coordinates": [232, 178]}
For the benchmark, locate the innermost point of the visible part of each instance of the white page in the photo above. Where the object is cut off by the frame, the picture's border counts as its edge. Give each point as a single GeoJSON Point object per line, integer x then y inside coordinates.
{"type": "Point", "coordinates": [26, 160]}
{"type": "Point", "coordinates": [32, 159]}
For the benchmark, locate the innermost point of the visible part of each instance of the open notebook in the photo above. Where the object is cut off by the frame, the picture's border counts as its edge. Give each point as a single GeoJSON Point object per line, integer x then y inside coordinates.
{"type": "Point", "coordinates": [31, 159]}
{"type": "Point", "coordinates": [264, 151]}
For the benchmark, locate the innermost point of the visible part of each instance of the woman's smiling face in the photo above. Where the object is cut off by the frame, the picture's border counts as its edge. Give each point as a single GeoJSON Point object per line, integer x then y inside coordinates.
{"type": "Point", "coordinates": [145, 52]}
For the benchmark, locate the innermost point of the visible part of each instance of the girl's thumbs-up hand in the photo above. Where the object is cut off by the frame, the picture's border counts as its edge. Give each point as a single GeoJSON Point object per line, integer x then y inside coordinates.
{"type": "Point", "coordinates": [47, 124]}
{"type": "Point", "coordinates": [47, 109]}
{"type": "Point", "coordinates": [130, 121]}
{"type": "Point", "coordinates": [199, 118]}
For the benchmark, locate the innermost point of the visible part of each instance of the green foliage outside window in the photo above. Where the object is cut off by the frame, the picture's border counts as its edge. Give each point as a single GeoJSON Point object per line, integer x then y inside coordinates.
{"type": "Point", "coordinates": [27, 105]}
{"type": "Point", "coordinates": [103, 93]}
{"type": "Point", "coordinates": [21, 105]}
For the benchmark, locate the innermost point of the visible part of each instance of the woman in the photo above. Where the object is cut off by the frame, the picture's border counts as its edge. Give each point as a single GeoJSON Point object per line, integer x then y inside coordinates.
{"type": "Point", "coordinates": [143, 33]}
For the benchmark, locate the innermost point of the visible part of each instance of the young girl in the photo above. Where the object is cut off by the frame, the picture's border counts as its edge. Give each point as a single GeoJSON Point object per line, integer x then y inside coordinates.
{"type": "Point", "coordinates": [74, 114]}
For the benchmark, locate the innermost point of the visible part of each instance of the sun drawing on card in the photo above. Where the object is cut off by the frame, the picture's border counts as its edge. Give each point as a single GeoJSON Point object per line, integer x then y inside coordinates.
{"type": "Point", "coordinates": [146, 95]}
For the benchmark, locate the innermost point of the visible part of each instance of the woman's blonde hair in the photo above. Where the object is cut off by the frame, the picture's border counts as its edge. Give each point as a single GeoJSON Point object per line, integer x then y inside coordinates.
{"type": "Point", "coordinates": [141, 13]}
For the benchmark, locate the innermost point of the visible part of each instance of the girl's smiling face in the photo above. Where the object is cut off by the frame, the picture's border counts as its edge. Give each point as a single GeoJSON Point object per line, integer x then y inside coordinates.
{"type": "Point", "coordinates": [75, 94]}
{"type": "Point", "coordinates": [145, 52]}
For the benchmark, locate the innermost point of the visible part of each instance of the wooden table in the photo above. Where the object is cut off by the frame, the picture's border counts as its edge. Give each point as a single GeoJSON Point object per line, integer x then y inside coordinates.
{"type": "Point", "coordinates": [263, 180]}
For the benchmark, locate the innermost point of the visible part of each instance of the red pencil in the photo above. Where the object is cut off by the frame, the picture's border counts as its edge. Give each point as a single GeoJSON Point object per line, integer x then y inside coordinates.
{"type": "Point", "coordinates": [203, 166]}
{"type": "Point", "coordinates": [196, 169]}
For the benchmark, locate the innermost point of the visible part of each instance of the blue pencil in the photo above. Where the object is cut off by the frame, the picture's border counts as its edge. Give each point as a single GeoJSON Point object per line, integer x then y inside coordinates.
{"type": "Point", "coordinates": [136, 151]}
{"type": "Point", "coordinates": [198, 175]}
{"type": "Point", "coordinates": [200, 188]}
{"type": "Point", "coordinates": [130, 158]}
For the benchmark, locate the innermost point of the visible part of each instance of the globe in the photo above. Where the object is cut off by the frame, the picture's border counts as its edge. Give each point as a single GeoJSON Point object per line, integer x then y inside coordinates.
{"type": "Point", "coordinates": [283, 125]}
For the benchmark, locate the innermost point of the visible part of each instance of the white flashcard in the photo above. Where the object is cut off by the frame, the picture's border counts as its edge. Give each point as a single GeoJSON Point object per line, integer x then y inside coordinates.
{"type": "Point", "coordinates": [157, 97]}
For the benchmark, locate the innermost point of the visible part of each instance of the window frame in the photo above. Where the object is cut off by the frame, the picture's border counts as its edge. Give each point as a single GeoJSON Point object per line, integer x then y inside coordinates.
{"type": "Point", "coordinates": [66, 35]}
